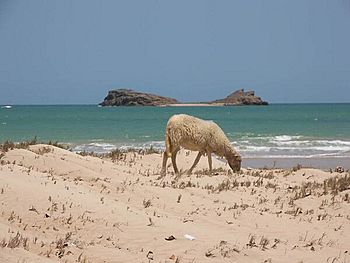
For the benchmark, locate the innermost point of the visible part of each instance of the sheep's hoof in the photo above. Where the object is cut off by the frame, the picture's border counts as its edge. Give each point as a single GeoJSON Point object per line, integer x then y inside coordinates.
{"type": "Point", "coordinates": [177, 176]}
{"type": "Point", "coordinates": [189, 172]}
{"type": "Point", "coordinates": [162, 175]}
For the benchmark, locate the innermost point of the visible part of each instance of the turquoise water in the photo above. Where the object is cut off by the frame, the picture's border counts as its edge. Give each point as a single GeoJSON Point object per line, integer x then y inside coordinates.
{"type": "Point", "coordinates": [274, 130]}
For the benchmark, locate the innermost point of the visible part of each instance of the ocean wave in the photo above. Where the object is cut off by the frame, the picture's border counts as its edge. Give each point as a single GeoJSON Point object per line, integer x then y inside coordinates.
{"type": "Point", "coordinates": [94, 147]}
{"type": "Point", "coordinates": [265, 146]}
{"type": "Point", "coordinates": [101, 148]}
{"type": "Point", "coordinates": [292, 146]}
{"type": "Point", "coordinates": [284, 138]}
{"type": "Point", "coordinates": [6, 107]}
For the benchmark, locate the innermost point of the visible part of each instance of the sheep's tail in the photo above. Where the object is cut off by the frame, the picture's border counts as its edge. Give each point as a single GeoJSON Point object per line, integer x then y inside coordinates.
{"type": "Point", "coordinates": [168, 145]}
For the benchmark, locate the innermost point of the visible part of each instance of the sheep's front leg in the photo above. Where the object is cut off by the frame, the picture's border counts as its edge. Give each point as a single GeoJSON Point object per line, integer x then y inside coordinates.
{"type": "Point", "coordinates": [195, 163]}
{"type": "Point", "coordinates": [210, 162]}
{"type": "Point", "coordinates": [173, 159]}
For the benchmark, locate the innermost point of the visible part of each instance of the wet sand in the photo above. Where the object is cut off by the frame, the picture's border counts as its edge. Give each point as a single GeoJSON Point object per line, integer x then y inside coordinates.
{"type": "Point", "coordinates": [324, 163]}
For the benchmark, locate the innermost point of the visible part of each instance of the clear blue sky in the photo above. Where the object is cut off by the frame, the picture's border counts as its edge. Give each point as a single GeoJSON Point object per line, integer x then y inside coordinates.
{"type": "Point", "coordinates": [67, 52]}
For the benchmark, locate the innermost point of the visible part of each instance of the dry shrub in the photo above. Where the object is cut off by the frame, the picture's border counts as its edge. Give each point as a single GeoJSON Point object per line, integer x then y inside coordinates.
{"type": "Point", "coordinates": [15, 241]}
{"type": "Point", "coordinates": [297, 167]}
{"type": "Point", "coordinates": [224, 249]}
{"type": "Point", "coordinates": [6, 146]}
{"type": "Point", "coordinates": [226, 185]}
{"type": "Point", "coordinates": [44, 150]}
{"type": "Point", "coordinates": [58, 145]}
{"type": "Point", "coordinates": [9, 145]}
{"type": "Point", "coordinates": [147, 203]}
{"type": "Point", "coordinates": [337, 184]}
{"type": "Point", "coordinates": [61, 244]}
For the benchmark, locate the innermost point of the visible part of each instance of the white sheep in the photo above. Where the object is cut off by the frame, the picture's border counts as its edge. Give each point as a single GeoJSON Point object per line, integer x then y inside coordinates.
{"type": "Point", "coordinates": [195, 134]}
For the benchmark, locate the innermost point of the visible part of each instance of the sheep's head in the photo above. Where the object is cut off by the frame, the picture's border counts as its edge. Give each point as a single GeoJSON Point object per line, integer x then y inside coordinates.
{"type": "Point", "coordinates": [234, 160]}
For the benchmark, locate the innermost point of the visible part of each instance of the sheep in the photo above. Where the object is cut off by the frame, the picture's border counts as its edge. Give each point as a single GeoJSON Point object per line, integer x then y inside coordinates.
{"type": "Point", "coordinates": [196, 134]}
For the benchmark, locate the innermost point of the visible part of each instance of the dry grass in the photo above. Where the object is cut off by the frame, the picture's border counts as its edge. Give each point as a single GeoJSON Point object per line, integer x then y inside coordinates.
{"type": "Point", "coordinates": [332, 185]}
{"type": "Point", "coordinates": [215, 171]}
{"type": "Point", "coordinates": [223, 249]}
{"type": "Point", "coordinates": [16, 241]}
{"type": "Point", "coordinates": [58, 145]}
{"type": "Point", "coordinates": [9, 145]}
{"type": "Point", "coordinates": [147, 203]}
{"type": "Point", "coordinates": [61, 245]}
{"type": "Point", "coordinates": [120, 154]}
{"type": "Point", "coordinates": [297, 167]}
{"type": "Point", "coordinates": [337, 184]}
{"type": "Point", "coordinates": [85, 153]}
{"type": "Point", "coordinates": [44, 150]}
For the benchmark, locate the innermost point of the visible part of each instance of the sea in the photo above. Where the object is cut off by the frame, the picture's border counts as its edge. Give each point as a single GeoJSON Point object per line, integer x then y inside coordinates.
{"type": "Point", "coordinates": [276, 130]}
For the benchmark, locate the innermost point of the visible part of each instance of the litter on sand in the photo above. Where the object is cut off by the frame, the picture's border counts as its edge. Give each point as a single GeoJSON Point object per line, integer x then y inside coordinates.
{"type": "Point", "coordinates": [170, 238]}
{"type": "Point", "coordinates": [189, 237]}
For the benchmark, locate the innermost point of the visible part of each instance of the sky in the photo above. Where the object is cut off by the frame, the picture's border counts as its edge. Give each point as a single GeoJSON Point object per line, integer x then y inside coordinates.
{"type": "Point", "coordinates": [73, 52]}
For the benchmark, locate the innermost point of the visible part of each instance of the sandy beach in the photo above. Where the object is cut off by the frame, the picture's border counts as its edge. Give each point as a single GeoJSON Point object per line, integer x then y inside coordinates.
{"type": "Point", "coordinates": [192, 105]}
{"type": "Point", "coordinates": [58, 206]}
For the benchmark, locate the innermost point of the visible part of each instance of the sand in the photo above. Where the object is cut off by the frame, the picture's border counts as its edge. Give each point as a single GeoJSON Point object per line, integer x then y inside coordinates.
{"type": "Point", "coordinates": [58, 206]}
{"type": "Point", "coordinates": [324, 163]}
{"type": "Point", "coordinates": [193, 105]}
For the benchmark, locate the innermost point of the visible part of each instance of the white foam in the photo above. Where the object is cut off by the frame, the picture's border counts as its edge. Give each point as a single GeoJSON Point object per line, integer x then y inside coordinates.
{"type": "Point", "coordinates": [283, 138]}
{"type": "Point", "coordinates": [291, 146]}
{"type": "Point", "coordinates": [95, 147]}
{"type": "Point", "coordinates": [268, 146]}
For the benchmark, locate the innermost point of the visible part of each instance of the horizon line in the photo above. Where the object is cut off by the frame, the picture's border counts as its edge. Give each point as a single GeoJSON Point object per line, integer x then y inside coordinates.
{"type": "Point", "coordinates": [97, 104]}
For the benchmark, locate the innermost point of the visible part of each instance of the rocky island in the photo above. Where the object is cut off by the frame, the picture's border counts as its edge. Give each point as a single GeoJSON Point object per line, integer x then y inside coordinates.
{"type": "Point", "coordinates": [241, 97]}
{"type": "Point", "coordinates": [128, 97]}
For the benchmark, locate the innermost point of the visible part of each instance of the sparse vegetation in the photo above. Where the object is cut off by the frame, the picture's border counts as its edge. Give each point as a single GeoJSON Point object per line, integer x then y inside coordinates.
{"type": "Point", "coordinates": [9, 145]}
{"type": "Point", "coordinates": [147, 203]}
{"type": "Point", "coordinates": [16, 241]}
{"type": "Point", "coordinates": [223, 249]}
{"type": "Point", "coordinates": [297, 167]}
{"type": "Point", "coordinates": [120, 154]}
{"type": "Point", "coordinates": [63, 228]}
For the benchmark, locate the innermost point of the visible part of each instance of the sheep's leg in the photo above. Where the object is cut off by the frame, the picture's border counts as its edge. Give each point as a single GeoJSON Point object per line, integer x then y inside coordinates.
{"type": "Point", "coordinates": [210, 163]}
{"type": "Point", "coordinates": [173, 159]}
{"type": "Point", "coordinates": [165, 159]}
{"type": "Point", "coordinates": [195, 163]}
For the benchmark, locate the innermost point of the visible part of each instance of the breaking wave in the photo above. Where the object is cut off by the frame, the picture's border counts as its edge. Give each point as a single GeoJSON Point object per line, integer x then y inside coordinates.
{"type": "Point", "coordinates": [248, 146]}
{"type": "Point", "coordinates": [292, 146]}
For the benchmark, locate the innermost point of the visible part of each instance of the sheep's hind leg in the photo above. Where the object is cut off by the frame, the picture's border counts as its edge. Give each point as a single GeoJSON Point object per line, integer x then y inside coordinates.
{"type": "Point", "coordinates": [173, 159]}
{"type": "Point", "coordinates": [194, 163]}
{"type": "Point", "coordinates": [210, 163]}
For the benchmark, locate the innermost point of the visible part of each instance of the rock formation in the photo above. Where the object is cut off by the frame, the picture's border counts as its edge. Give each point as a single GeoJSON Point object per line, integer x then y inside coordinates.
{"type": "Point", "coordinates": [127, 97]}
{"type": "Point", "coordinates": [241, 97]}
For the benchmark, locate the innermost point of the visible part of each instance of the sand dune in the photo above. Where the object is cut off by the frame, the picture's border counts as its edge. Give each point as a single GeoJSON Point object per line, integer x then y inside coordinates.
{"type": "Point", "coordinates": [58, 206]}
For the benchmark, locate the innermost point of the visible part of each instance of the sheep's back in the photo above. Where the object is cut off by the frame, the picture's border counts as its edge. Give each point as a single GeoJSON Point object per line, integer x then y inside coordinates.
{"type": "Point", "coordinates": [189, 132]}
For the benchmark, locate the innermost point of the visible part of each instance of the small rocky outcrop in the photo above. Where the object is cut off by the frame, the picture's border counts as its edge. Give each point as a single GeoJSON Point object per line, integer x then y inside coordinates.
{"type": "Point", "coordinates": [128, 97]}
{"type": "Point", "coordinates": [241, 97]}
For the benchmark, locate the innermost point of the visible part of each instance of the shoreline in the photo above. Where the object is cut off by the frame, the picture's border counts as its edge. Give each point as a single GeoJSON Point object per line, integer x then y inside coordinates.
{"type": "Point", "coordinates": [324, 163]}
{"type": "Point", "coordinates": [287, 162]}
{"type": "Point", "coordinates": [192, 105]}
{"type": "Point", "coordinates": [255, 162]}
